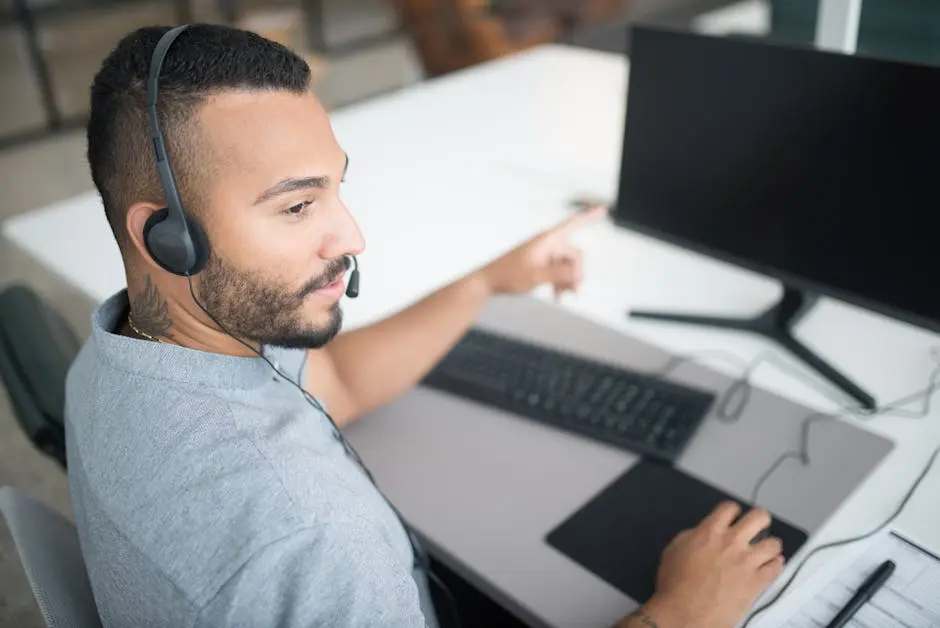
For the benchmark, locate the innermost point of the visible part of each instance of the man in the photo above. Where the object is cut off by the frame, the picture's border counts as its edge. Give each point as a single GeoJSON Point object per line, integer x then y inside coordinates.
{"type": "Point", "coordinates": [210, 491]}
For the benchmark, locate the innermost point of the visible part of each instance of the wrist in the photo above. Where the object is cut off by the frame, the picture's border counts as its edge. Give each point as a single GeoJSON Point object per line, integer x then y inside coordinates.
{"type": "Point", "coordinates": [483, 281]}
{"type": "Point", "coordinates": [477, 287]}
{"type": "Point", "coordinates": [657, 613]}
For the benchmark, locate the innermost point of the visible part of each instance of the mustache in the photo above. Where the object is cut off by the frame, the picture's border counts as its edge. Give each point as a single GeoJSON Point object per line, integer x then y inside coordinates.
{"type": "Point", "coordinates": [331, 273]}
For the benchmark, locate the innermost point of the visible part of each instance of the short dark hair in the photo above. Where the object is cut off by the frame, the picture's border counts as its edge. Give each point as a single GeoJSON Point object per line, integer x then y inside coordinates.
{"type": "Point", "coordinates": [205, 59]}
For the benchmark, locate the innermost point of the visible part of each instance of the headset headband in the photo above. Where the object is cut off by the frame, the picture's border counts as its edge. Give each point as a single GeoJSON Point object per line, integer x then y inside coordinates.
{"type": "Point", "coordinates": [164, 167]}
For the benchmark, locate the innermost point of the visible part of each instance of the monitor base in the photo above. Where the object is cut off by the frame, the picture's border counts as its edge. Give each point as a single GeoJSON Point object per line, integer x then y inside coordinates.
{"type": "Point", "coordinates": [776, 323]}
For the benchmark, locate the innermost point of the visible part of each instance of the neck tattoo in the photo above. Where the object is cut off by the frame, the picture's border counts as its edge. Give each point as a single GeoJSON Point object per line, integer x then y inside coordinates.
{"type": "Point", "coordinates": [151, 312]}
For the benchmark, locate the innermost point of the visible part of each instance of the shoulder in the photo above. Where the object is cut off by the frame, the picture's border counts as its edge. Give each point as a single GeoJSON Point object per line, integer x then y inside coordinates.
{"type": "Point", "coordinates": [174, 475]}
{"type": "Point", "coordinates": [339, 573]}
{"type": "Point", "coordinates": [183, 472]}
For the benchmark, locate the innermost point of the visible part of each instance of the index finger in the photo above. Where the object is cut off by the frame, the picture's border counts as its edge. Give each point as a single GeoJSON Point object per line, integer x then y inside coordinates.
{"type": "Point", "coordinates": [723, 515]}
{"type": "Point", "coordinates": [752, 523]}
{"type": "Point", "coordinates": [581, 218]}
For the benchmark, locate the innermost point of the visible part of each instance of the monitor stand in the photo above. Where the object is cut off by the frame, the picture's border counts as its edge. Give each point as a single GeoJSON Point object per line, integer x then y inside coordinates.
{"type": "Point", "coordinates": [776, 323]}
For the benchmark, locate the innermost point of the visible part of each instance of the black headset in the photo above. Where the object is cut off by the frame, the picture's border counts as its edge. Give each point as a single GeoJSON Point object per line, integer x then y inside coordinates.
{"type": "Point", "coordinates": [174, 239]}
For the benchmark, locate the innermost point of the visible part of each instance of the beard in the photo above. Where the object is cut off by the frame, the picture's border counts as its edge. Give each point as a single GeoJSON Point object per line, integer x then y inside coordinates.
{"type": "Point", "coordinates": [254, 308]}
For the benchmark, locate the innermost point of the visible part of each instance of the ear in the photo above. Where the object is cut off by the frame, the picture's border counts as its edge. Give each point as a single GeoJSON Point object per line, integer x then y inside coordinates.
{"type": "Point", "coordinates": [137, 215]}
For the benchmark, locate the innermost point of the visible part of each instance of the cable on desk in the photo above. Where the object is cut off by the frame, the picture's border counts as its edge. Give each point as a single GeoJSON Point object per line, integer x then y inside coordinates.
{"type": "Point", "coordinates": [742, 388]}
{"type": "Point", "coordinates": [729, 409]}
{"type": "Point", "coordinates": [801, 455]}
{"type": "Point", "coordinates": [732, 403]}
{"type": "Point", "coordinates": [895, 408]}
{"type": "Point", "coordinates": [848, 541]}
{"type": "Point", "coordinates": [733, 400]}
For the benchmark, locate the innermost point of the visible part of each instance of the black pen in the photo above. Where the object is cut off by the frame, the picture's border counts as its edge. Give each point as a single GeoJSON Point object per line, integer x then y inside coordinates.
{"type": "Point", "coordinates": [865, 592]}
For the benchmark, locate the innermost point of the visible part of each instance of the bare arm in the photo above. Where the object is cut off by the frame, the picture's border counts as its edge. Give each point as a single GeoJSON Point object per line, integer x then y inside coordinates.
{"type": "Point", "coordinates": [638, 619]}
{"type": "Point", "coordinates": [370, 366]}
{"type": "Point", "coordinates": [364, 369]}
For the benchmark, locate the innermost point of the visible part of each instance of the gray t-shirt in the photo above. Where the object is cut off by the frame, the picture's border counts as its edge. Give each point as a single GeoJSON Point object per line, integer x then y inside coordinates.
{"type": "Point", "coordinates": [208, 492]}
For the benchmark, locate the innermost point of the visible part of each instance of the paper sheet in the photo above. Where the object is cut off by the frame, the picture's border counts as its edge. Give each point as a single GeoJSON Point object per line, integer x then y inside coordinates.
{"type": "Point", "coordinates": [909, 599]}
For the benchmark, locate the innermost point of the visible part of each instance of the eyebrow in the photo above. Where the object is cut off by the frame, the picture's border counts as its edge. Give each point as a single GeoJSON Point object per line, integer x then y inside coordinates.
{"type": "Point", "coordinates": [292, 184]}
{"type": "Point", "coordinates": [286, 186]}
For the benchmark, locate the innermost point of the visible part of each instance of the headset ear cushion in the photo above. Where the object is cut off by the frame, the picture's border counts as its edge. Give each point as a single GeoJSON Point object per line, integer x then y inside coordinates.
{"type": "Point", "coordinates": [156, 243]}
{"type": "Point", "coordinates": [150, 242]}
{"type": "Point", "coordinates": [155, 218]}
{"type": "Point", "coordinates": [200, 244]}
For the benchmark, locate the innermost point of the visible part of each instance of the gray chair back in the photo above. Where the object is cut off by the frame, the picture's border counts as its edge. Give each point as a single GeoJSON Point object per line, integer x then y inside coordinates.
{"type": "Point", "coordinates": [37, 346]}
{"type": "Point", "coordinates": [47, 544]}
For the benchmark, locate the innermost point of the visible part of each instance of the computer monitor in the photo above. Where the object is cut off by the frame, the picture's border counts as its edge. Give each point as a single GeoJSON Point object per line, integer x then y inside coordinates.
{"type": "Point", "coordinates": [817, 168]}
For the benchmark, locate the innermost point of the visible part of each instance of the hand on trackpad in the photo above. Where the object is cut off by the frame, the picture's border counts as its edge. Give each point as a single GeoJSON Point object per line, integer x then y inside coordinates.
{"type": "Point", "coordinates": [621, 533]}
{"type": "Point", "coordinates": [761, 534]}
{"type": "Point", "coordinates": [714, 572]}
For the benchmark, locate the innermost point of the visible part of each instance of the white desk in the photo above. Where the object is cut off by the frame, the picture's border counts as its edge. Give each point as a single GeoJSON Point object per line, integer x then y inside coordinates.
{"type": "Point", "coordinates": [449, 173]}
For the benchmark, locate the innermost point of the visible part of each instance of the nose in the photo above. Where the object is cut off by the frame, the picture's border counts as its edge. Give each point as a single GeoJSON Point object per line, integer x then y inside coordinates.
{"type": "Point", "coordinates": [346, 236]}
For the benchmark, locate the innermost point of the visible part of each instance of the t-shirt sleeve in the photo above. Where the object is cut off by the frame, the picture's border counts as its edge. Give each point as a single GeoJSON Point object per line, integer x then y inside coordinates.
{"type": "Point", "coordinates": [336, 575]}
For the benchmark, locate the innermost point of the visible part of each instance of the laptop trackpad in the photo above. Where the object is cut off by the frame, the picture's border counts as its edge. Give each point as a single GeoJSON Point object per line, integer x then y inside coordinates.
{"type": "Point", "coordinates": [621, 533]}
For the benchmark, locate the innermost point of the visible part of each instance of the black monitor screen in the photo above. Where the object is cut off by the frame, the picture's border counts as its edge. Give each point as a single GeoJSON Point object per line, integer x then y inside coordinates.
{"type": "Point", "coordinates": [818, 168]}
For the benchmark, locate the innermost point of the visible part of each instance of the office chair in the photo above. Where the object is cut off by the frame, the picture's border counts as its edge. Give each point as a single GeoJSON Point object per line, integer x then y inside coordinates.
{"type": "Point", "coordinates": [36, 348]}
{"type": "Point", "coordinates": [451, 35]}
{"type": "Point", "coordinates": [48, 546]}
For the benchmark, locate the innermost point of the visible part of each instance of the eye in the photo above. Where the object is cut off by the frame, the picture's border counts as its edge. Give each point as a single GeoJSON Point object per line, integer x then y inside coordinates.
{"type": "Point", "coordinates": [298, 209]}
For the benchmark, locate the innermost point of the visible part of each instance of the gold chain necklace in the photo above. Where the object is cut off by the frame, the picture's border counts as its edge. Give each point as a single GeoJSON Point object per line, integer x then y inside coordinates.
{"type": "Point", "coordinates": [143, 334]}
